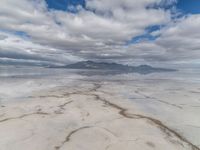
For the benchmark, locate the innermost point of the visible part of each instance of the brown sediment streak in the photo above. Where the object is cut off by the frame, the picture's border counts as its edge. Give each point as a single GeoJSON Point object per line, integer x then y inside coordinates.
{"type": "Point", "coordinates": [195, 92]}
{"type": "Point", "coordinates": [23, 116]}
{"type": "Point", "coordinates": [63, 105]}
{"type": "Point", "coordinates": [155, 99]}
{"type": "Point", "coordinates": [123, 112]}
{"type": "Point", "coordinates": [94, 89]}
{"type": "Point", "coordinates": [62, 108]}
{"type": "Point", "coordinates": [68, 137]}
{"type": "Point", "coordinates": [47, 96]}
{"type": "Point", "coordinates": [72, 93]}
{"type": "Point", "coordinates": [170, 104]}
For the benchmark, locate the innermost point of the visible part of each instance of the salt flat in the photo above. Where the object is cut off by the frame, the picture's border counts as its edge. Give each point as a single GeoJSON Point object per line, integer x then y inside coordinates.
{"type": "Point", "coordinates": [77, 112]}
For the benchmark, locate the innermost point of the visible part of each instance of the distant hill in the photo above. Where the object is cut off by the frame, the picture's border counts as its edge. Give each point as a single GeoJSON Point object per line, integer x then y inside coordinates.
{"type": "Point", "coordinates": [91, 65]}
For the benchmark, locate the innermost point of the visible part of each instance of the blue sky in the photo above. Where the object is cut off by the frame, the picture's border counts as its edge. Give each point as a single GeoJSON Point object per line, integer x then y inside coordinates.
{"type": "Point", "coordinates": [189, 6]}
{"type": "Point", "coordinates": [131, 31]}
{"type": "Point", "coordinates": [64, 4]}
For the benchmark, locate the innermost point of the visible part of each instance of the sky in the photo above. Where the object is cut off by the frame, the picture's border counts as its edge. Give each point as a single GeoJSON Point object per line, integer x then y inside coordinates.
{"type": "Point", "coordinates": [59, 32]}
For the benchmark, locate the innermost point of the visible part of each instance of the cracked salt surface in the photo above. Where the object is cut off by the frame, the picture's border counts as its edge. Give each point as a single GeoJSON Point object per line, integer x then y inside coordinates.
{"type": "Point", "coordinates": [69, 111]}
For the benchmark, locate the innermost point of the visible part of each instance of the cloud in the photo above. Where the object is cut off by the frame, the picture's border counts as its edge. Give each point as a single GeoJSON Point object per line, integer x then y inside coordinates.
{"type": "Point", "coordinates": [177, 42]}
{"type": "Point", "coordinates": [168, 2]}
{"type": "Point", "coordinates": [99, 31]}
{"type": "Point", "coordinates": [17, 49]}
{"type": "Point", "coordinates": [181, 38]}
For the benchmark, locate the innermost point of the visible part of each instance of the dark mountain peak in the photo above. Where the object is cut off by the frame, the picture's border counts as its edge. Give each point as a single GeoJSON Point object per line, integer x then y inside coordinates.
{"type": "Point", "coordinates": [144, 66]}
{"type": "Point", "coordinates": [105, 66]}
{"type": "Point", "coordinates": [95, 65]}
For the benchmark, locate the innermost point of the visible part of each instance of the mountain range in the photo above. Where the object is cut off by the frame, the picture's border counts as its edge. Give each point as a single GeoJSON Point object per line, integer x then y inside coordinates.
{"type": "Point", "coordinates": [104, 66]}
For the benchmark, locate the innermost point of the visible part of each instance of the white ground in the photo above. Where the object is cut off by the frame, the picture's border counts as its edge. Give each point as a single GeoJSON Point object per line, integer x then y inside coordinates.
{"type": "Point", "coordinates": [85, 113]}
